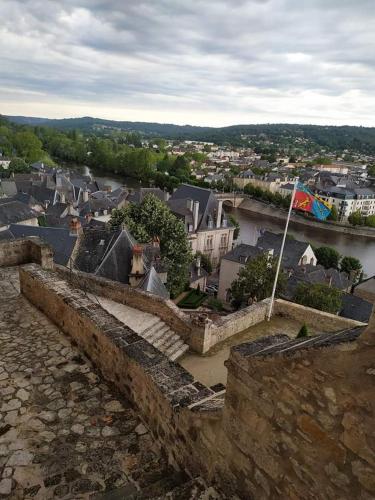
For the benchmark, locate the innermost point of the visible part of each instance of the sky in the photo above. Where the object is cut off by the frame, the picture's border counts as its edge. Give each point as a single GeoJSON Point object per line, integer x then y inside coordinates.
{"type": "Point", "coordinates": [202, 62]}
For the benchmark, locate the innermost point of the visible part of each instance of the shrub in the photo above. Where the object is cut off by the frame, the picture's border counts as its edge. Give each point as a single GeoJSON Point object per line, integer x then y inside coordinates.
{"type": "Point", "coordinates": [303, 332]}
{"type": "Point", "coordinates": [215, 304]}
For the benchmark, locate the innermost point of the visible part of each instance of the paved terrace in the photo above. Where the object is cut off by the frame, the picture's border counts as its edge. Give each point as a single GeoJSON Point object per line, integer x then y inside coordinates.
{"type": "Point", "coordinates": [64, 432]}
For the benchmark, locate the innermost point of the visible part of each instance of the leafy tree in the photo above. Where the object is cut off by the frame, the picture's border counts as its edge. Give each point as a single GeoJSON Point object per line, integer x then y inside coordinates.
{"type": "Point", "coordinates": [370, 221]}
{"type": "Point", "coordinates": [327, 257]}
{"type": "Point", "coordinates": [319, 296]}
{"type": "Point", "coordinates": [236, 225]}
{"type": "Point", "coordinates": [334, 214]}
{"type": "Point", "coordinates": [356, 219]}
{"type": "Point", "coordinates": [205, 262]}
{"type": "Point", "coordinates": [18, 165]}
{"type": "Point", "coordinates": [255, 280]}
{"type": "Point", "coordinates": [28, 145]}
{"type": "Point", "coordinates": [151, 219]}
{"type": "Point", "coordinates": [351, 266]}
{"type": "Point", "coordinates": [303, 332]}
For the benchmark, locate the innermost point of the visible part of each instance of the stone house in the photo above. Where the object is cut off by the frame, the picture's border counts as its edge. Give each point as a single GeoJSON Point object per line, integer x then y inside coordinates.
{"type": "Point", "coordinates": [206, 223]}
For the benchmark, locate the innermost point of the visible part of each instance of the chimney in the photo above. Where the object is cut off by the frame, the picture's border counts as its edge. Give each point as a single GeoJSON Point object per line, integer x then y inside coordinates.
{"type": "Point", "coordinates": [219, 214]}
{"type": "Point", "coordinates": [189, 204]}
{"type": "Point", "coordinates": [195, 214]}
{"type": "Point", "coordinates": [137, 270]}
{"type": "Point", "coordinates": [62, 197]}
{"type": "Point", "coordinates": [85, 195]}
{"type": "Point", "coordinates": [75, 227]}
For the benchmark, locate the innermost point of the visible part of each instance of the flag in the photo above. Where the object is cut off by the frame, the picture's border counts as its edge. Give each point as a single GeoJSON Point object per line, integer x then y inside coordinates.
{"type": "Point", "coordinates": [306, 200]}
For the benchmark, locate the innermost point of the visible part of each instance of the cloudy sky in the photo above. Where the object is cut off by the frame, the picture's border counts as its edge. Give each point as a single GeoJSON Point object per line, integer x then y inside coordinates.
{"type": "Point", "coordinates": [204, 62]}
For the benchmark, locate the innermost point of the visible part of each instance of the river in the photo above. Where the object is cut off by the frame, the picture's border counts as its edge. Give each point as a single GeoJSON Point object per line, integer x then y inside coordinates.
{"type": "Point", "coordinates": [362, 248]}
{"type": "Point", "coordinates": [251, 224]}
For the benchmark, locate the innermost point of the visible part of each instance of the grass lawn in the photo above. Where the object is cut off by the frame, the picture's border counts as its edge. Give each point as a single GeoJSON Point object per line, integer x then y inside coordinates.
{"type": "Point", "coordinates": [192, 300]}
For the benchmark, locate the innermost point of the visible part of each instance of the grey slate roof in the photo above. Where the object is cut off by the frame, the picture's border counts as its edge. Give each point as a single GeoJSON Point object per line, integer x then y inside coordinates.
{"type": "Point", "coordinates": [242, 253]}
{"type": "Point", "coordinates": [356, 308]}
{"type": "Point", "coordinates": [293, 249]}
{"type": "Point", "coordinates": [152, 283]}
{"type": "Point", "coordinates": [59, 239]}
{"type": "Point", "coordinates": [13, 211]}
{"type": "Point", "coordinates": [138, 195]}
{"type": "Point", "coordinates": [8, 187]}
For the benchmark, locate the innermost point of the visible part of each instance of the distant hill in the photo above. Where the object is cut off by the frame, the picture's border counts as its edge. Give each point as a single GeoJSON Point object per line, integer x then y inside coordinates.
{"type": "Point", "coordinates": [360, 139]}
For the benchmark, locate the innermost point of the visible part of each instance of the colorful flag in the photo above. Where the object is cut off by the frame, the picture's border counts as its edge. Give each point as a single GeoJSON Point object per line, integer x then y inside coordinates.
{"type": "Point", "coordinates": [306, 200]}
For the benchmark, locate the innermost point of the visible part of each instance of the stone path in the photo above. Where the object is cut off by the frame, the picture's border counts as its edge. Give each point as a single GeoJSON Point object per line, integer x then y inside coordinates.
{"type": "Point", "coordinates": [64, 433]}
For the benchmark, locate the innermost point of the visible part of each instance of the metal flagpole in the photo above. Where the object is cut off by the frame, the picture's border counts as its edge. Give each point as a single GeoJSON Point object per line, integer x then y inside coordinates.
{"type": "Point", "coordinates": [281, 252]}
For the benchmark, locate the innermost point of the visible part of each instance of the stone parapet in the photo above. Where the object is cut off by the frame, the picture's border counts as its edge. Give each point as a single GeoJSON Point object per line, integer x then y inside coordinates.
{"type": "Point", "coordinates": [21, 251]}
{"type": "Point", "coordinates": [174, 405]}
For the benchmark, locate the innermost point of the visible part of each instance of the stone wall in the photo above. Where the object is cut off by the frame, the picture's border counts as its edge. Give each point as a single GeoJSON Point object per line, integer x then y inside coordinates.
{"type": "Point", "coordinates": [172, 403]}
{"type": "Point", "coordinates": [22, 251]}
{"type": "Point", "coordinates": [292, 426]}
{"type": "Point", "coordinates": [319, 320]}
{"type": "Point", "coordinates": [191, 332]}
{"type": "Point", "coordinates": [234, 323]}
{"type": "Point", "coordinates": [301, 425]}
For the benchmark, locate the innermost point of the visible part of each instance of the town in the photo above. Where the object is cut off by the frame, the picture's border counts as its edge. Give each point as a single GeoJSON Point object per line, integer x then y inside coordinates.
{"type": "Point", "coordinates": [159, 294]}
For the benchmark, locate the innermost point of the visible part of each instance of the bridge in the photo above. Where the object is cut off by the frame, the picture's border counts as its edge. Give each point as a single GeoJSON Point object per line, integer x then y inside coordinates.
{"type": "Point", "coordinates": [231, 199]}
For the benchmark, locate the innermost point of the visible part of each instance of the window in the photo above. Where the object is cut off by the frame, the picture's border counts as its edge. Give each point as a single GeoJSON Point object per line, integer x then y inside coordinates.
{"type": "Point", "coordinates": [223, 241]}
{"type": "Point", "coordinates": [209, 243]}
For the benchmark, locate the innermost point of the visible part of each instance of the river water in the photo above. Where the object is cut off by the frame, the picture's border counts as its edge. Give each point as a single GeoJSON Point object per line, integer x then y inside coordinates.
{"type": "Point", "coordinates": [251, 225]}
{"type": "Point", "coordinates": [362, 248]}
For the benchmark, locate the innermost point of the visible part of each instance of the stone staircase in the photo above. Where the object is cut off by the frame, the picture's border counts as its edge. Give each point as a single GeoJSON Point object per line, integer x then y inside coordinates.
{"type": "Point", "coordinates": [163, 338]}
{"type": "Point", "coordinates": [148, 326]}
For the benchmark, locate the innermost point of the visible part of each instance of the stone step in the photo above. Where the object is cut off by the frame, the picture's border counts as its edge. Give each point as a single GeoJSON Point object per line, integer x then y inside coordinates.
{"type": "Point", "coordinates": [177, 354]}
{"type": "Point", "coordinates": [164, 339]}
{"type": "Point", "coordinates": [168, 341]}
{"type": "Point", "coordinates": [158, 334]}
{"type": "Point", "coordinates": [148, 329]}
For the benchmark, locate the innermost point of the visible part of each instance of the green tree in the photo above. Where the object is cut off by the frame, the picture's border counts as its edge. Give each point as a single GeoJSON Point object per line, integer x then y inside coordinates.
{"type": "Point", "coordinates": [236, 225]}
{"type": "Point", "coordinates": [334, 214]}
{"type": "Point", "coordinates": [370, 221]}
{"type": "Point", "coordinates": [327, 257]}
{"type": "Point", "coordinates": [18, 165]}
{"type": "Point", "coordinates": [151, 219]}
{"type": "Point", "coordinates": [351, 266]}
{"type": "Point", "coordinates": [319, 296]}
{"type": "Point", "coordinates": [28, 146]}
{"type": "Point", "coordinates": [255, 280]}
{"type": "Point", "coordinates": [205, 262]}
{"type": "Point", "coordinates": [356, 219]}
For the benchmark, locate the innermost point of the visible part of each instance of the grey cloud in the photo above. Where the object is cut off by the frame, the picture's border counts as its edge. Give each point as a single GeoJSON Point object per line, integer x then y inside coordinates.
{"type": "Point", "coordinates": [206, 54]}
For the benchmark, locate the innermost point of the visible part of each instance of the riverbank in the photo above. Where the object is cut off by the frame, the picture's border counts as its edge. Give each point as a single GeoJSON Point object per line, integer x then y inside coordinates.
{"type": "Point", "coordinates": [257, 207]}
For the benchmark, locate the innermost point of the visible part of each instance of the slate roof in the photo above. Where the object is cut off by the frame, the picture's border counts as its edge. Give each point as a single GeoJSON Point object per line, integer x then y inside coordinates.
{"type": "Point", "coordinates": [138, 195]}
{"type": "Point", "coordinates": [8, 187]}
{"type": "Point", "coordinates": [208, 204]}
{"type": "Point", "coordinates": [96, 205]}
{"type": "Point", "coordinates": [354, 307]}
{"type": "Point", "coordinates": [59, 239]}
{"type": "Point", "coordinates": [13, 211]}
{"type": "Point", "coordinates": [293, 250]}
{"type": "Point", "coordinates": [152, 283]}
{"type": "Point", "coordinates": [242, 253]}
{"type": "Point", "coordinates": [93, 247]}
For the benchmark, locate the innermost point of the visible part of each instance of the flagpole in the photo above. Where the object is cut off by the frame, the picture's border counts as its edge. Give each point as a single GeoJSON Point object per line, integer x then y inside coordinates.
{"type": "Point", "coordinates": [281, 252]}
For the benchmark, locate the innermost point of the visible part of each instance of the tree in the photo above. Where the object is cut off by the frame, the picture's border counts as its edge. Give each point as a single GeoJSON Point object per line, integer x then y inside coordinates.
{"type": "Point", "coordinates": [327, 257]}
{"type": "Point", "coordinates": [356, 219]}
{"type": "Point", "coordinates": [370, 221]}
{"type": "Point", "coordinates": [351, 266]}
{"type": "Point", "coordinates": [152, 219]}
{"type": "Point", "coordinates": [18, 165]}
{"type": "Point", "coordinates": [236, 225]}
{"type": "Point", "coordinates": [255, 280]}
{"type": "Point", "coordinates": [205, 262]}
{"type": "Point", "coordinates": [28, 146]}
{"type": "Point", "coordinates": [333, 214]}
{"type": "Point", "coordinates": [319, 296]}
